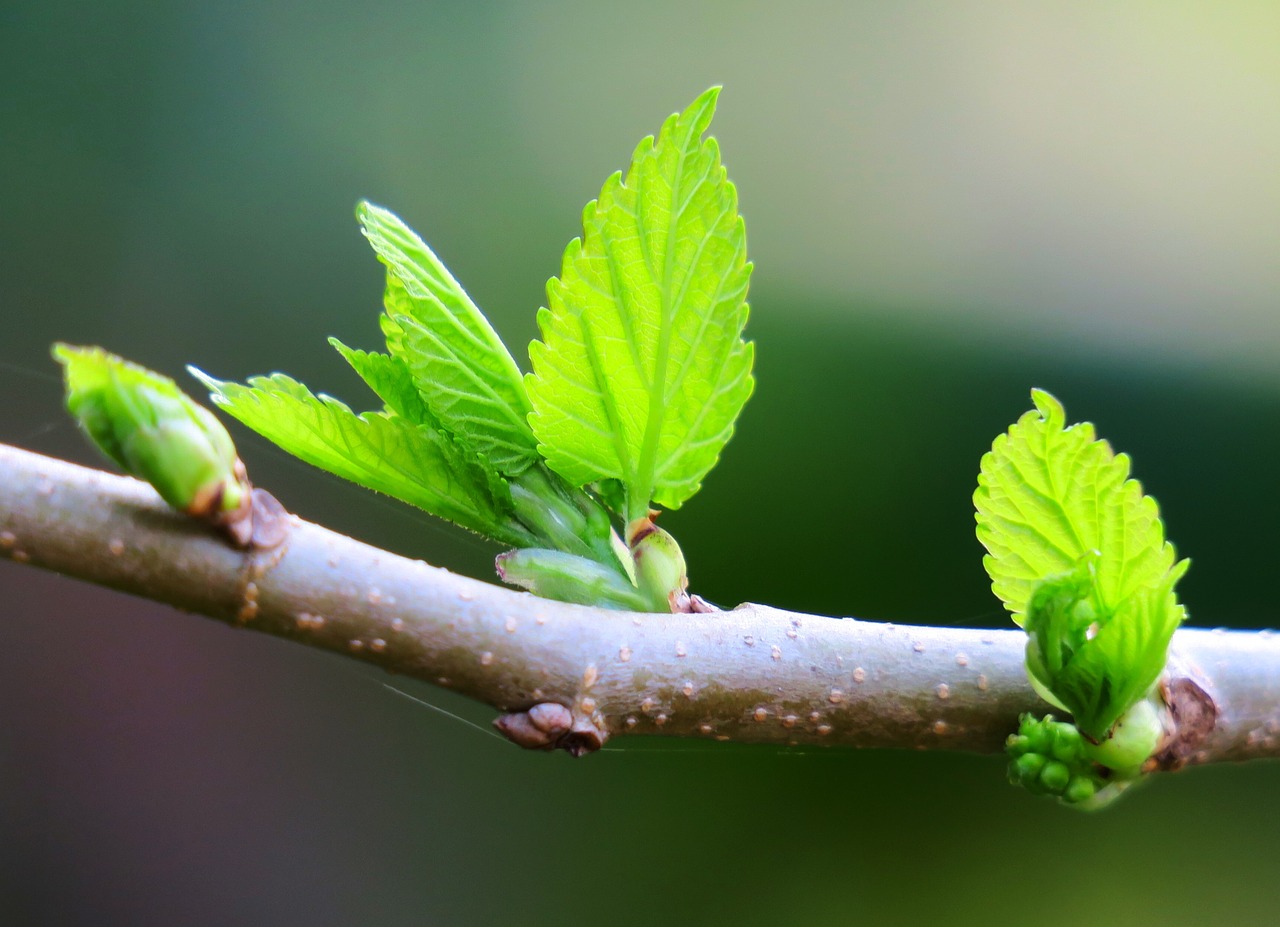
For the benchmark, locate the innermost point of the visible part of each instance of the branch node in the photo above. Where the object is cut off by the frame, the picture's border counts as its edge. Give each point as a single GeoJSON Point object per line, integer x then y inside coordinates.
{"type": "Point", "coordinates": [552, 726]}
{"type": "Point", "coordinates": [264, 536]}
{"type": "Point", "coordinates": [271, 522]}
{"type": "Point", "coordinates": [539, 728]}
{"type": "Point", "coordinates": [1193, 714]}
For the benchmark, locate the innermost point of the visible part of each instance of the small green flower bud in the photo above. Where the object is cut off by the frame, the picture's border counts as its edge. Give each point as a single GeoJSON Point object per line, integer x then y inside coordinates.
{"type": "Point", "coordinates": [1038, 733]}
{"type": "Point", "coordinates": [1049, 757]}
{"type": "Point", "coordinates": [1079, 789]}
{"type": "Point", "coordinates": [1066, 743]}
{"type": "Point", "coordinates": [1017, 744]}
{"type": "Point", "coordinates": [1054, 776]}
{"type": "Point", "coordinates": [1025, 770]}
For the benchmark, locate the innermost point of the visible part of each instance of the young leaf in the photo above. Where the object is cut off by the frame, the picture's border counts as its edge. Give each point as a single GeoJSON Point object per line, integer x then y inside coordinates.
{"type": "Point", "coordinates": [1093, 662]}
{"type": "Point", "coordinates": [642, 370]}
{"type": "Point", "coordinates": [459, 365]}
{"type": "Point", "coordinates": [1116, 667]}
{"type": "Point", "coordinates": [1058, 622]}
{"type": "Point", "coordinates": [389, 377]}
{"type": "Point", "coordinates": [415, 463]}
{"type": "Point", "coordinates": [1050, 494]}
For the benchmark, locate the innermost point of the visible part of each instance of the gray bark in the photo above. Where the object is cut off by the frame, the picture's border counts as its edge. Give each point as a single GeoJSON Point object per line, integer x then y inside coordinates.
{"type": "Point", "coordinates": [751, 674]}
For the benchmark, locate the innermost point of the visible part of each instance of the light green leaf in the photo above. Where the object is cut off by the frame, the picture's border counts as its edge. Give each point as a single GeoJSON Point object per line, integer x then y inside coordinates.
{"type": "Point", "coordinates": [415, 463]}
{"type": "Point", "coordinates": [389, 377]}
{"type": "Point", "coordinates": [1118, 665]}
{"type": "Point", "coordinates": [1093, 662]}
{"type": "Point", "coordinates": [1050, 494]}
{"type": "Point", "coordinates": [642, 370]}
{"type": "Point", "coordinates": [459, 364]}
{"type": "Point", "coordinates": [1058, 621]}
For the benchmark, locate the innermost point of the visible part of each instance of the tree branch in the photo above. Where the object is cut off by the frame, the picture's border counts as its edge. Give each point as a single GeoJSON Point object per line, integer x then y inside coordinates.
{"type": "Point", "coordinates": [752, 674]}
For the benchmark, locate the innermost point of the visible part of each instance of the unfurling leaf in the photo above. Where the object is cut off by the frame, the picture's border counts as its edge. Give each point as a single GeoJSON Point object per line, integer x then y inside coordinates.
{"type": "Point", "coordinates": [1049, 495]}
{"type": "Point", "coordinates": [389, 378]}
{"type": "Point", "coordinates": [414, 463]}
{"type": "Point", "coordinates": [636, 385]}
{"type": "Point", "coordinates": [1078, 555]}
{"type": "Point", "coordinates": [460, 366]}
{"type": "Point", "coordinates": [1115, 667]}
{"type": "Point", "coordinates": [1096, 662]}
{"type": "Point", "coordinates": [642, 370]}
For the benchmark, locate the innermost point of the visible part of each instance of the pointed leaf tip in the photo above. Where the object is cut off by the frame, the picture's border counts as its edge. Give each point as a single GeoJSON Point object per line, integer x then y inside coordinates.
{"type": "Point", "coordinates": [1050, 409]}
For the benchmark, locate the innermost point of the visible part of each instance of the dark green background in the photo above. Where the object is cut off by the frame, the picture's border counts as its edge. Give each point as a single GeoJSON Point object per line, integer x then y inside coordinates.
{"type": "Point", "coordinates": [947, 204]}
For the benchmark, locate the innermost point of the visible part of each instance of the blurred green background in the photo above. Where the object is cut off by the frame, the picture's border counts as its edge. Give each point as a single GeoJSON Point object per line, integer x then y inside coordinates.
{"type": "Point", "coordinates": [947, 204]}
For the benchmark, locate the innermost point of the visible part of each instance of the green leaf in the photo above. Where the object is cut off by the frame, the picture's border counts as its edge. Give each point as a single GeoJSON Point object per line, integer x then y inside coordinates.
{"type": "Point", "coordinates": [415, 463]}
{"type": "Point", "coordinates": [1057, 621]}
{"type": "Point", "coordinates": [1048, 495]}
{"type": "Point", "coordinates": [642, 370]}
{"type": "Point", "coordinates": [389, 377]}
{"type": "Point", "coordinates": [458, 363]}
{"type": "Point", "coordinates": [1116, 667]}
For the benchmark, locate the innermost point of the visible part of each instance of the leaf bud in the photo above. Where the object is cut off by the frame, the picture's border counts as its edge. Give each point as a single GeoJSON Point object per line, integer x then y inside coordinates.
{"type": "Point", "coordinates": [154, 431]}
{"type": "Point", "coordinates": [554, 574]}
{"type": "Point", "coordinates": [660, 566]}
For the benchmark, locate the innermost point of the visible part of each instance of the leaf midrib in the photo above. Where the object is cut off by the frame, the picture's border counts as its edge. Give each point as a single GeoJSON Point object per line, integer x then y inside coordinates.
{"type": "Point", "coordinates": [638, 506]}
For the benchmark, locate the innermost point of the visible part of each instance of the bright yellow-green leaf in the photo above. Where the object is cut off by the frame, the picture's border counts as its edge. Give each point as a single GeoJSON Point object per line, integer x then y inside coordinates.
{"type": "Point", "coordinates": [414, 463]}
{"type": "Point", "coordinates": [1049, 494]}
{"type": "Point", "coordinates": [642, 370]}
{"type": "Point", "coordinates": [465, 374]}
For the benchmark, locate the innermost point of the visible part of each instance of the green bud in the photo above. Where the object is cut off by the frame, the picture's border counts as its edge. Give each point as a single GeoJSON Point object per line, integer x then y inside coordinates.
{"type": "Point", "coordinates": [1079, 789]}
{"type": "Point", "coordinates": [1067, 742]}
{"type": "Point", "coordinates": [154, 431]}
{"type": "Point", "coordinates": [1133, 738]}
{"type": "Point", "coordinates": [1017, 744]}
{"type": "Point", "coordinates": [1054, 776]}
{"type": "Point", "coordinates": [1039, 734]}
{"type": "Point", "coordinates": [568, 519]}
{"type": "Point", "coordinates": [1049, 757]}
{"type": "Point", "coordinates": [1025, 770]}
{"type": "Point", "coordinates": [542, 508]}
{"type": "Point", "coordinates": [660, 567]}
{"type": "Point", "coordinates": [553, 574]}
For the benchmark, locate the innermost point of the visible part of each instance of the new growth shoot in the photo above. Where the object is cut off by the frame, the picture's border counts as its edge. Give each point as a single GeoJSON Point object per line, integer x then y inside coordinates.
{"type": "Point", "coordinates": [635, 385]}
{"type": "Point", "coordinates": [632, 392]}
{"type": "Point", "coordinates": [1077, 553]}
